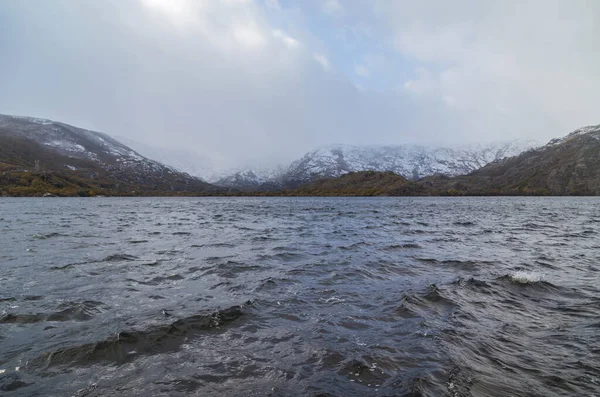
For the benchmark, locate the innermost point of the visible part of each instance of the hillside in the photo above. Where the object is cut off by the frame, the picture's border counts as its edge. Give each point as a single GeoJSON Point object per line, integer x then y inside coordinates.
{"type": "Point", "coordinates": [365, 183]}
{"type": "Point", "coordinates": [41, 156]}
{"type": "Point", "coordinates": [566, 166]}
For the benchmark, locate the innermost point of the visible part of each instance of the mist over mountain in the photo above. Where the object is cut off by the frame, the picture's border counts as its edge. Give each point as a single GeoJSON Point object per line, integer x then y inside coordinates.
{"type": "Point", "coordinates": [40, 156]}
{"type": "Point", "coordinates": [410, 161]}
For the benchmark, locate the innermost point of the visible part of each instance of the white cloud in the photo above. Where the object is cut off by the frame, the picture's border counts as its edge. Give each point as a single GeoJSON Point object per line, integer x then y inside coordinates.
{"type": "Point", "coordinates": [178, 12]}
{"type": "Point", "coordinates": [532, 64]}
{"type": "Point", "coordinates": [249, 36]}
{"type": "Point", "coordinates": [241, 79]}
{"type": "Point", "coordinates": [226, 24]}
{"type": "Point", "coordinates": [362, 71]}
{"type": "Point", "coordinates": [450, 101]}
{"type": "Point", "coordinates": [288, 41]}
{"type": "Point", "coordinates": [333, 7]}
{"type": "Point", "coordinates": [322, 60]}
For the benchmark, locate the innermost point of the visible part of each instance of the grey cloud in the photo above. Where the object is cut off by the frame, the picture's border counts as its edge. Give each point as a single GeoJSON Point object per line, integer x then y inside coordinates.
{"type": "Point", "coordinates": [219, 81]}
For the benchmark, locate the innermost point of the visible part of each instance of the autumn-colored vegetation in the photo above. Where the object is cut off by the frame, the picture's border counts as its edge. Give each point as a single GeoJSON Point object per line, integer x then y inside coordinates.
{"type": "Point", "coordinates": [366, 183]}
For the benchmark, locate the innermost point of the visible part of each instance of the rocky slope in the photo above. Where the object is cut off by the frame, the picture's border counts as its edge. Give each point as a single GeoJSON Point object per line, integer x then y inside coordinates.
{"type": "Point", "coordinates": [565, 166]}
{"type": "Point", "coordinates": [95, 161]}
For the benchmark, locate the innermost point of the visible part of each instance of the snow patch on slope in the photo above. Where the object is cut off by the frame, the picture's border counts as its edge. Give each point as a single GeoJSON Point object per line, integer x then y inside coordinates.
{"type": "Point", "coordinates": [410, 161]}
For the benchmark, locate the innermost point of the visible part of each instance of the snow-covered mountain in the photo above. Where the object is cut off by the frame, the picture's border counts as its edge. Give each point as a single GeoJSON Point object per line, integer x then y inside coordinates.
{"type": "Point", "coordinates": [96, 155]}
{"type": "Point", "coordinates": [410, 161]}
{"type": "Point", "coordinates": [33, 143]}
{"type": "Point", "coordinates": [251, 178]}
{"type": "Point", "coordinates": [69, 141]}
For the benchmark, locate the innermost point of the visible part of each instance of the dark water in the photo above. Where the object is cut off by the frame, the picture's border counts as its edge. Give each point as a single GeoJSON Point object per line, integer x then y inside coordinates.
{"type": "Point", "coordinates": [300, 297]}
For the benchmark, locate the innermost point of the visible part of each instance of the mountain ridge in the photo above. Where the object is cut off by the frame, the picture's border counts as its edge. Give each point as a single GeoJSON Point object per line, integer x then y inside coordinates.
{"type": "Point", "coordinates": [412, 161]}
{"type": "Point", "coordinates": [34, 151]}
{"type": "Point", "coordinates": [40, 156]}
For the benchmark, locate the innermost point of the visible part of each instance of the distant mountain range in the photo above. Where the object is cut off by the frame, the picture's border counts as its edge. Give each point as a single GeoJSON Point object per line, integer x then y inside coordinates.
{"type": "Point", "coordinates": [411, 161]}
{"type": "Point", "coordinates": [40, 156]}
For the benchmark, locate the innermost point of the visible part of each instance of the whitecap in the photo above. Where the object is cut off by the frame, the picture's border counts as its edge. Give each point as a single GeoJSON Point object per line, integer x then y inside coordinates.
{"type": "Point", "coordinates": [523, 277]}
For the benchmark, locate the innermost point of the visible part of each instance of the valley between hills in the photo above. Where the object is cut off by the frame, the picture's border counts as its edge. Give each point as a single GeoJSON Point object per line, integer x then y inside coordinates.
{"type": "Point", "coordinates": [46, 158]}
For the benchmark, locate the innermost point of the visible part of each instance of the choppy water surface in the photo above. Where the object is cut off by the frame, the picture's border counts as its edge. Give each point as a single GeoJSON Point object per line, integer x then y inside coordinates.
{"type": "Point", "coordinates": [306, 296]}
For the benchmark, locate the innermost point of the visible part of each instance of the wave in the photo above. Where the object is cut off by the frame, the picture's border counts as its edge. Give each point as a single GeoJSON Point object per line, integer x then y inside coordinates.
{"type": "Point", "coordinates": [214, 245]}
{"type": "Point", "coordinates": [402, 246]}
{"type": "Point", "coordinates": [231, 269]}
{"type": "Point", "coordinates": [69, 311]}
{"type": "Point", "coordinates": [126, 345]}
{"type": "Point", "coordinates": [464, 223]}
{"type": "Point", "coordinates": [472, 283]}
{"type": "Point", "coordinates": [46, 236]}
{"type": "Point", "coordinates": [120, 258]}
{"type": "Point", "coordinates": [523, 277]}
{"type": "Point", "coordinates": [11, 382]}
{"type": "Point", "coordinates": [158, 280]}
{"type": "Point", "coordinates": [432, 299]}
{"type": "Point", "coordinates": [452, 262]}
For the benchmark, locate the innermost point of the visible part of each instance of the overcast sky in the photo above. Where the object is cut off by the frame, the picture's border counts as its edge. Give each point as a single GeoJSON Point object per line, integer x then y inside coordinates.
{"type": "Point", "coordinates": [252, 80]}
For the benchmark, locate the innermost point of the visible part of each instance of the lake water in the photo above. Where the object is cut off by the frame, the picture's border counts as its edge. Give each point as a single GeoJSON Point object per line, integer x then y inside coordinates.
{"type": "Point", "coordinates": [300, 297]}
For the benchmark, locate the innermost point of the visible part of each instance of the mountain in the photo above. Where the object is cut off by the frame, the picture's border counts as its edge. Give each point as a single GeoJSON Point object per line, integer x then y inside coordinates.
{"type": "Point", "coordinates": [565, 166]}
{"type": "Point", "coordinates": [253, 179]}
{"type": "Point", "coordinates": [38, 154]}
{"type": "Point", "coordinates": [410, 161]}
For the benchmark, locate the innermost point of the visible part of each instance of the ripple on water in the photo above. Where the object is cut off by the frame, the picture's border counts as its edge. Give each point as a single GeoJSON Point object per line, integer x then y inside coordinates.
{"type": "Point", "coordinates": [350, 297]}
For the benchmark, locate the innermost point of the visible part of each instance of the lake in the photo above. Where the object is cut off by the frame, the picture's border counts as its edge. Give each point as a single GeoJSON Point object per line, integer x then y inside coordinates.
{"type": "Point", "coordinates": [300, 297]}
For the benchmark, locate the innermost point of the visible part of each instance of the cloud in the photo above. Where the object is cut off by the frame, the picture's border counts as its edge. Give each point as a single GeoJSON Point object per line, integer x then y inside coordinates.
{"type": "Point", "coordinates": [273, 5]}
{"type": "Point", "coordinates": [240, 81]}
{"type": "Point", "coordinates": [332, 7]}
{"type": "Point", "coordinates": [361, 70]}
{"type": "Point", "coordinates": [288, 41]}
{"type": "Point", "coordinates": [524, 65]}
{"type": "Point", "coordinates": [322, 60]}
